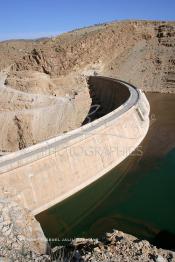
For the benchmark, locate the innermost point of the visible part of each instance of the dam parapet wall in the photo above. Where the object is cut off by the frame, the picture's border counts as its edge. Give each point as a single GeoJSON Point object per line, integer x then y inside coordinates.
{"type": "Point", "coordinates": [47, 173]}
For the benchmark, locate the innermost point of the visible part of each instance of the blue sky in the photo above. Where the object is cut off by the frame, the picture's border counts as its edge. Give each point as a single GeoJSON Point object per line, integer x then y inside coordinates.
{"type": "Point", "coordinates": [37, 18]}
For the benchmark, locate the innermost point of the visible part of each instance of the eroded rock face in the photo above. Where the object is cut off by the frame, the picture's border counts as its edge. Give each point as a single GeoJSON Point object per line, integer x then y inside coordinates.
{"type": "Point", "coordinates": [27, 118]}
{"type": "Point", "coordinates": [140, 52]}
{"type": "Point", "coordinates": [21, 237]}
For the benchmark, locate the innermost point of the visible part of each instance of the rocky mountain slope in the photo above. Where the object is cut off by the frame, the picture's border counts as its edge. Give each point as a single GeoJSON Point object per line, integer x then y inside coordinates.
{"type": "Point", "coordinates": [139, 52]}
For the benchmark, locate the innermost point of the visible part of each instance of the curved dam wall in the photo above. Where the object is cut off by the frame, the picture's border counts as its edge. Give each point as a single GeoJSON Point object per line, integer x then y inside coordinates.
{"type": "Point", "coordinates": [47, 173]}
{"type": "Point", "coordinates": [106, 95]}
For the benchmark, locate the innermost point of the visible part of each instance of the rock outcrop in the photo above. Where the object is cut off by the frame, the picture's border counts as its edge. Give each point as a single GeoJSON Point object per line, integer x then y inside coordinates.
{"type": "Point", "coordinates": [21, 237]}
{"type": "Point", "coordinates": [116, 247]}
{"type": "Point", "coordinates": [139, 52]}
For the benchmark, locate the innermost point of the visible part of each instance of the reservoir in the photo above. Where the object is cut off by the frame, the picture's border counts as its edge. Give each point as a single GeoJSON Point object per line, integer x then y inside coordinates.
{"type": "Point", "coordinates": [136, 197]}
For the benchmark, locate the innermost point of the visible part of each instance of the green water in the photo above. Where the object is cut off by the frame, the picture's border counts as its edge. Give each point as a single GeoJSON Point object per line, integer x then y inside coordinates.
{"type": "Point", "coordinates": [137, 197]}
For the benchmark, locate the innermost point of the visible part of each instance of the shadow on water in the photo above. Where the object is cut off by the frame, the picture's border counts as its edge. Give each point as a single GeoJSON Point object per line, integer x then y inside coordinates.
{"type": "Point", "coordinates": [165, 240]}
{"type": "Point", "coordinates": [139, 204]}
{"type": "Point", "coordinates": [136, 197]}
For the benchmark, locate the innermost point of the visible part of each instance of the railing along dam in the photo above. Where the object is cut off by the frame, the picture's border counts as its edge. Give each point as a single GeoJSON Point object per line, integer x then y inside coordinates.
{"type": "Point", "coordinates": [47, 173]}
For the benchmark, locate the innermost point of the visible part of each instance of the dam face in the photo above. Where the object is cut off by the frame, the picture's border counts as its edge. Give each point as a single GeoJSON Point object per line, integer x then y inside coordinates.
{"type": "Point", "coordinates": [42, 175]}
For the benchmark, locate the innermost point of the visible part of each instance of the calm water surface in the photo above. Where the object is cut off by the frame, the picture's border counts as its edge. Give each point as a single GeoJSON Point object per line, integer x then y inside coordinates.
{"type": "Point", "coordinates": [137, 197]}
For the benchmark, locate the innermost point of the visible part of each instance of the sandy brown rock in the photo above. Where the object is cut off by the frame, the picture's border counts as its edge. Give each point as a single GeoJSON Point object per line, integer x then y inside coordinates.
{"type": "Point", "coordinates": [140, 52]}
{"type": "Point", "coordinates": [40, 72]}
{"type": "Point", "coordinates": [28, 118]}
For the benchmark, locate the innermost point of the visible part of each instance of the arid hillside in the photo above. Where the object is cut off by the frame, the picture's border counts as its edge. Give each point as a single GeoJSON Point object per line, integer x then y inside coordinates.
{"type": "Point", "coordinates": [137, 51]}
{"type": "Point", "coordinates": [43, 75]}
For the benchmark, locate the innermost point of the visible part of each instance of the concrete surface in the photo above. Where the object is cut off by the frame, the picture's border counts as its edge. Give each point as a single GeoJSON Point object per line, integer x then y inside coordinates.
{"type": "Point", "coordinates": [45, 174]}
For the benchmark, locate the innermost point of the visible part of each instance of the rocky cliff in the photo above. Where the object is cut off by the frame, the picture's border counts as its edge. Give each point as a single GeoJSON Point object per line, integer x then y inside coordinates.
{"type": "Point", "coordinates": [140, 52]}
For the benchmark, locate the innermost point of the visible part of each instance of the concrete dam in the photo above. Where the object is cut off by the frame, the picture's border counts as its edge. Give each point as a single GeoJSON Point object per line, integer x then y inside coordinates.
{"type": "Point", "coordinates": [43, 175]}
